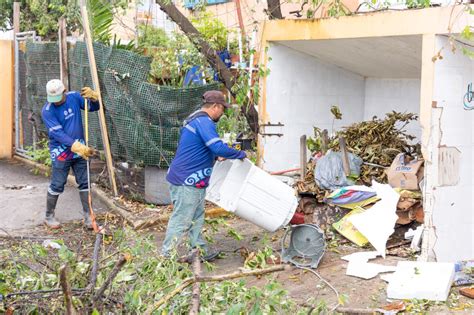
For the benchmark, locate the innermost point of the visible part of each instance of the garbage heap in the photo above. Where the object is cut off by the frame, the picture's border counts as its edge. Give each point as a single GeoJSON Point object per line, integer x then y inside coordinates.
{"type": "Point", "coordinates": [378, 150]}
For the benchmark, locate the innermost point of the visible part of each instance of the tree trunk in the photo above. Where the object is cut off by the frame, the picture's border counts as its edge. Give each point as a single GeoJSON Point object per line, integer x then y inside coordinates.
{"type": "Point", "coordinates": [212, 57]}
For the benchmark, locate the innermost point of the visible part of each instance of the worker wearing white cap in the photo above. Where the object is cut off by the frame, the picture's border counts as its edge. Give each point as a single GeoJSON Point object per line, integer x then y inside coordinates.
{"type": "Point", "coordinates": [62, 118]}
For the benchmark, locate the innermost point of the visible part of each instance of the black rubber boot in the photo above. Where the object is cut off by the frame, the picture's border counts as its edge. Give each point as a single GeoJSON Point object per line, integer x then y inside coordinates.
{"type": "Point", "coordinates": [84, 195]}
{"type": "Point", "coordinates": [50, 220]}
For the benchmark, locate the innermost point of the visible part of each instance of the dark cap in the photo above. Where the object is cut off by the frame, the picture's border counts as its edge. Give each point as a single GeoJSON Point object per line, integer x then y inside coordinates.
{"type": "Point", "coordinates": [215, 97]}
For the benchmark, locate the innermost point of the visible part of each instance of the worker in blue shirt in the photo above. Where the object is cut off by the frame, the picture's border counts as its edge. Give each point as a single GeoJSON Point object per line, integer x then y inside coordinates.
{"type": "Point", "coordinates": [199, 146]}
{"type": "Point", "coordinates": [62, 118]}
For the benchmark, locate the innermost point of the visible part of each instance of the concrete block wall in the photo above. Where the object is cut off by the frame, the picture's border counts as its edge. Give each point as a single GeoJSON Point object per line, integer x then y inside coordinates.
{"type": "Point", "coordinates": [384, 95]}
{"type": "Point", "coordinates": [300, 92]}
{"type": "Point", "coordinates": [453, 213]}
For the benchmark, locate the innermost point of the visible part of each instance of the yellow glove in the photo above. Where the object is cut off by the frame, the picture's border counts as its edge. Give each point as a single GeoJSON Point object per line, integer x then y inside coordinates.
{"type": "Point", "coordinates": [81, 149]}
{"type": "Point", "coordinates": [87, 92]}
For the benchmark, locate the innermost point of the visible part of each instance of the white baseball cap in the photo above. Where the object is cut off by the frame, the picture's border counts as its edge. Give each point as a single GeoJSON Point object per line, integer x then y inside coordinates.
{"type": "Point", "coordinates": [55, 89]}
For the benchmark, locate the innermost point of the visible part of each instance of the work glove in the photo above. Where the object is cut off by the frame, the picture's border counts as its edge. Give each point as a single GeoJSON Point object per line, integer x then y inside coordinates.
{"type": "Point", "coordinates": [87, 92]}
{"type": "Point", "coordinates": [81, 149]}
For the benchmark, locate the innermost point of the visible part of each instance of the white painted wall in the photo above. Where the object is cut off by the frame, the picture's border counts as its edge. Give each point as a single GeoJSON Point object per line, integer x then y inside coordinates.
{"type": "Point", "coordinates": [300, 92]}
{"type": "Point", "coordinates": [384, 95]}
{"type": "Point", "coordinates": [301, 89]}
{"type": "Point", "coordinates": [453, 213]}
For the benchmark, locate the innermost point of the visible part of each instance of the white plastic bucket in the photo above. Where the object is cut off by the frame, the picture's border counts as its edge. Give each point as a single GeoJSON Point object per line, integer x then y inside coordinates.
{"type": "Point", "coordinates": [252, 194]}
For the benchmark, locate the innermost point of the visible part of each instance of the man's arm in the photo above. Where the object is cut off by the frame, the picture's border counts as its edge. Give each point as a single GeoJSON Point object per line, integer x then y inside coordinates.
{"type": "Point", "coordinates": [207, 130]}
{"type": "Point", "coordinates": [55, 130]}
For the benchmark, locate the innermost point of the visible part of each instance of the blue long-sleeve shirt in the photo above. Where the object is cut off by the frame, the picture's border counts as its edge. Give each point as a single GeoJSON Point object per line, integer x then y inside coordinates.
{"type": "Point", "coordinates": [198, 147]}
{"type": "Point", "coordinates": [64, 125]}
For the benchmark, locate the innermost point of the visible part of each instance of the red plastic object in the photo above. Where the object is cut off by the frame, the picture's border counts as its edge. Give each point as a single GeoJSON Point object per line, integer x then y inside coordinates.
{"type": "Point", "coordinates": [298, 218]}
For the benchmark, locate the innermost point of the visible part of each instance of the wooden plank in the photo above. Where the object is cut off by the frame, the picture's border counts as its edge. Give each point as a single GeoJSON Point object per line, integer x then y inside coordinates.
{"type": "Point", "coordinates": [16, 17]}
{"type": "Point", "coordinates": [345, 156]}
{"type": "Point", "coordinates": [63, 62]}
{"type": "Point", "coordinates": [96, 86]}
{"type": "Point", "coordinates": [303, 156]}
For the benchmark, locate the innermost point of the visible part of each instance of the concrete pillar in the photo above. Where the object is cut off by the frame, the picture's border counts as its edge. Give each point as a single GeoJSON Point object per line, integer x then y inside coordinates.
{"type": "Point", "coordinates": [6, 98]}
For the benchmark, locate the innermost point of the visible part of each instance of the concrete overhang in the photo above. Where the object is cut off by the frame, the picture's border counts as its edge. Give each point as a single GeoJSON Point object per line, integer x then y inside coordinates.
{"type": "Point", "coordinates": [382, 57]}
{"type": "Point", "coordinates": [439, 20]}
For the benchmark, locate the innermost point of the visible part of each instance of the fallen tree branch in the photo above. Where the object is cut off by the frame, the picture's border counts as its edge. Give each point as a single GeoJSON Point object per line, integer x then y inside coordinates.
{"type": "Point", "coordinates": [109, 279]}
{"type": "Point", "coordinates": [188, 281]}
{"type": "Point", "coordinates": [196, 296]}
{"type": "Point", "coordinates": [95, 262]}
{"type": "Point", "coordinates": [66, 290]}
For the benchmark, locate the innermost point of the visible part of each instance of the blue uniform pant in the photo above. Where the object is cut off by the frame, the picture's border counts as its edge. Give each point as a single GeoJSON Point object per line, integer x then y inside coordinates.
{"type": "Point", "coordinates": [187, 217]}
{"type": "Point", "coordinates": [60, 171]}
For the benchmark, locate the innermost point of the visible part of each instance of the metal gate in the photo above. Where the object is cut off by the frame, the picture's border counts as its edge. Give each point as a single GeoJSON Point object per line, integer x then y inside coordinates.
{"type": "Point", "coordinates": [26, 133]}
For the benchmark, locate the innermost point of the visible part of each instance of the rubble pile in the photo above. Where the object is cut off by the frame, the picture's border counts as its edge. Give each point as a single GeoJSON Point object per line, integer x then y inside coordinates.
{"type": "Point", "coordinates": [377, 142]}
{"type": "Point", "coordinates": [385, 147]}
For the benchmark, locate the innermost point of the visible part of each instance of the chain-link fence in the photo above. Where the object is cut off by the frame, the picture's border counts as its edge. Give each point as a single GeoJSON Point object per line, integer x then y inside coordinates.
{"type": "Point", "coordinates": [143, 119]}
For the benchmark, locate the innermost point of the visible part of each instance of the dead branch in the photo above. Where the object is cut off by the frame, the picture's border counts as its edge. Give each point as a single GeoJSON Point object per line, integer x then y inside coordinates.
{"type": "Point", "coordinates": [110, 278]}
{"type": "Point", "coordinates": [66, 290]}
{"type": "Point", "coordinates": [196, 296]}
{"type": "Point", "coordinates": [75, 291]}
{"type": "Point", "coordinates": [352, 310]}
{"type": "Point", "coordinates": [95, 262]}
{"type": "Point", "coordinates": [188, 281]}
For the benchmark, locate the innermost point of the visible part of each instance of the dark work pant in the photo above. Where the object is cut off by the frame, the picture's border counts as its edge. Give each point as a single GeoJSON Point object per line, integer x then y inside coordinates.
{"type": "Point", "coordinates": [60, 172]}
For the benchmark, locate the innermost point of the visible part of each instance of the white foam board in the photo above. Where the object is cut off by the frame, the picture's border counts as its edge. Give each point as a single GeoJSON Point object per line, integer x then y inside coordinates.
{"type": "Point", "coordinates": [421, 280]}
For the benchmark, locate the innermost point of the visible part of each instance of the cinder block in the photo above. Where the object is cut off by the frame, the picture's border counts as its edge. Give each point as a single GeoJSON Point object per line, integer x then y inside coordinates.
{"type": "Point", "coordinates": [156, 186]}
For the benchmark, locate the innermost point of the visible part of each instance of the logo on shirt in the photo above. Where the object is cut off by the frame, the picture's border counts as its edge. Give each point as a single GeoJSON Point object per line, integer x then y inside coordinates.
{"type": "Point", "coordinates": [68, 113]}
{"type": "Point", "coordinates": [196, 178]}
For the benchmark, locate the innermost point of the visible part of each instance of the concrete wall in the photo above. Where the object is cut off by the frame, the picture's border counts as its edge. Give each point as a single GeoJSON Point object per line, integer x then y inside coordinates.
{"type": "Point", "coordinates": [6, 98]}
{"type": "Point", "coordinates": [300, 91]}
{"type": "Point", "coordinates": [453, 212]}
{"type": "Point", "coordinates": [384, 95]}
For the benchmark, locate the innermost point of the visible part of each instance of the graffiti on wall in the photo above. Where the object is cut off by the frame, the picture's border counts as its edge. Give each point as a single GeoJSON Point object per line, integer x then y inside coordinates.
{"type": "Point", "coordinates": [468, 98]}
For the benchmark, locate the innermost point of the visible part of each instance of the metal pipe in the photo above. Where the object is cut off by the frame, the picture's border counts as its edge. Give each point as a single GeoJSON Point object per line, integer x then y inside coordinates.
{"type": "Point", "coordinates": [25, 156]}
{"type": "Point", "coordinates": [21, 34]}
{"type": "Point", "coordinates": [17, 84]}
{"type": "Point", "coordinates": [241, 55]}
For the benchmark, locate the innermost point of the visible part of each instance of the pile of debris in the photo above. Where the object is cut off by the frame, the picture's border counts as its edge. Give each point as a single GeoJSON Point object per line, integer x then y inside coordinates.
{"type": "Point", "coordinates": [376, 150]}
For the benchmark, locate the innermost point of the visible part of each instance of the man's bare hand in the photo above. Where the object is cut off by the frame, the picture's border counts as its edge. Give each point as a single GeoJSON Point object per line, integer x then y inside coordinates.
{"type": "Point", "coordinates": [220, 158]}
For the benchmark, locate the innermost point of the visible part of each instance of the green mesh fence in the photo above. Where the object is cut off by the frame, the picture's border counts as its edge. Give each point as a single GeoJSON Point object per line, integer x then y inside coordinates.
{"type": "Point", "coordinates": [143, 119]}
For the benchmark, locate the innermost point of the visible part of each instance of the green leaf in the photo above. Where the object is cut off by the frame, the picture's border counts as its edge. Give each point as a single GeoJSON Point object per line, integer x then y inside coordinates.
{"type": "Point", "coordinates": [466, 33]}
{"type": "Point", "coordinates": [125, 276]}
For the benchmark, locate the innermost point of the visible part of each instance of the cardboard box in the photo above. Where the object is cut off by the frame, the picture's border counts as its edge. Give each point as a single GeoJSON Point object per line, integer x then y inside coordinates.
{"type": "Point", "coordinates": [405, 174]}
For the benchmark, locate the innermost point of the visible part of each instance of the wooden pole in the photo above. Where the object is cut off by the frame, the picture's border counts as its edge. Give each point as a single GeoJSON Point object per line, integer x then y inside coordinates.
{"type": "Point", "coordinates": [303, 156]}
{"type": "Point", "coordinates": [63, 62]}
{"type": "Point", "coordinates": [96, 86]}
{"type": "Point", "coordinates": [16, 17]}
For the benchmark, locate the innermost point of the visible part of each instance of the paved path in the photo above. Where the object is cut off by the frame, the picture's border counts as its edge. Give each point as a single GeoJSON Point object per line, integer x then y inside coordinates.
{"type": "Point", "coordinates": [24, 207]}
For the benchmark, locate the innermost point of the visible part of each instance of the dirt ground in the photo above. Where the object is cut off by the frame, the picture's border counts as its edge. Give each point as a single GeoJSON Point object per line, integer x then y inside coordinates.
{"type": "Point", "coordinates": [23, 212]}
